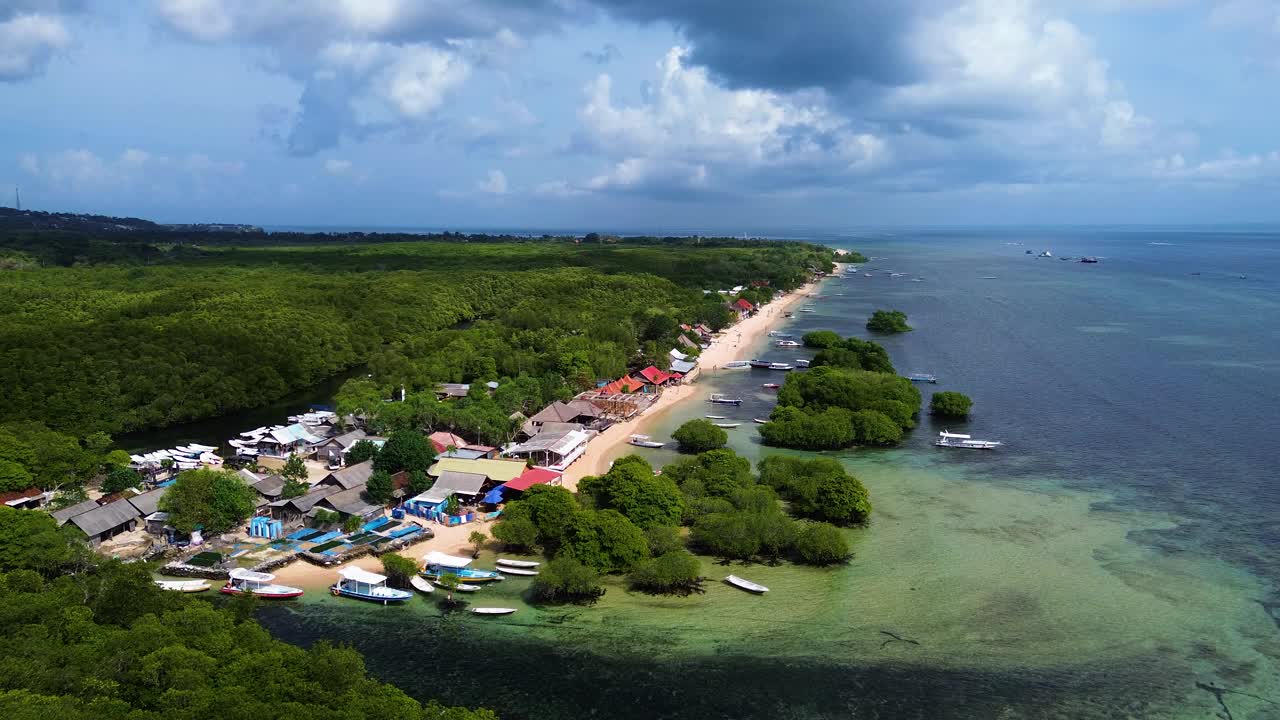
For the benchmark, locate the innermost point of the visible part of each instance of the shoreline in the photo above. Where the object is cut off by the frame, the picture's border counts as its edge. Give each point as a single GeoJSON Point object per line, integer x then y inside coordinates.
{"type": "Point", "coordinates": [600, 453]}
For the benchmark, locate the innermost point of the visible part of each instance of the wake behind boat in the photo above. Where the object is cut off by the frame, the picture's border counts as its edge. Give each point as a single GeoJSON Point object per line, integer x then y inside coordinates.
{"type": "Point", "coordinates": [747, 585]}
{"type": "Point", "coordinates": [956, 440]}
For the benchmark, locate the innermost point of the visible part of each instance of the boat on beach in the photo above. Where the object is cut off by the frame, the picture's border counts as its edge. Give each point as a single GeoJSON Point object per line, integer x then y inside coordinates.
{"type": "Point", "coordinates": [747, 585]}
{"type": "Point", "coordinates": [492, 611]}
{"type": "Point", "coordinates": [922, 378]}
{"type": "Point", "coordinates": [258, 584]}
{"type": "Point", "coordinates": [957, 440]}
{"type": "Point", "coordinates": [518, 563]}
{"type": "Point", "coordinates": [719, 399]}
{"type": "Point", "coordinates": [643, 441]}
{"type": "Point", "coordinates": [364, 585]}
{"type": "Point", "coordinates": [183, 586]}
{"type": "Point", "coordinates": [422, 585]}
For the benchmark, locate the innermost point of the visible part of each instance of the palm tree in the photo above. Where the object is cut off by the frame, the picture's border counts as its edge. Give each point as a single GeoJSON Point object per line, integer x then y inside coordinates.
{"type": "Point", "coordinates": [477, 538]}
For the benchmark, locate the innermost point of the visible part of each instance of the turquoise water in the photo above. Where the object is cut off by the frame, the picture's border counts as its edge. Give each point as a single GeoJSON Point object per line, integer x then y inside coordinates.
{"type": "Point", "coordinates": [1112, 560]}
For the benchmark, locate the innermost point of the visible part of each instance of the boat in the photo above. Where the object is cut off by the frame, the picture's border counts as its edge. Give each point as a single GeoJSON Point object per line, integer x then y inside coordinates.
{"type": "Point", "coordinates": [781, 335]}
{"type": "Point", "coordinates": [771, 386]}
{"type": "Point", "coordinates": [437, 564]}
{"type": "Point", "coordinates": [866, 274]}
{"type": "Point", "coordinates": [492, 611]}
{"type": "Point", "coordinates": [643, 441]}
{"type": "Point", "coordinates": [747, 585]}
{"type": "Point", "coordinates": [1089, 260]}
{"type": "Point", "coordinates": [760, 421]}
{"type": "Point", "coordinates": [807, 310]}
{"type": "Point", "coordinates": [183, 586]}
{"type": "Point", "coordinates": [737, 365]}
{"type": "Point", "coordinates": [259, 585]}
{"type": "Point", "coordinates": [727, 425]}
{"type": "Point", "coordinates": [422, 585]}
{"type": "Point", "coordinates": [781, 366]}
{"type": "Point", "coordinates": [719, 399]}
{"type": "Point", "coordinates": [922, 377]}
{"type": "Point", "coordinates": [802, 363]}
{"type": "Point", "coordinates": [715, 417]}
{"type": "Point", "coordinates": [516, 571]}
{"type": "Point", "coordinates": [989, 277]}
{"type": "Point", "coordinates": [518, 563]}
{"type": "Point", "coordinates": [956, 440]}
{"type": "Point", "coordinates": [787, 344]}
{"type": "Point", "coordinates": [760, 364]}
{"type": "Point", "coordinates": [462, 587]}
{"type": "Point", "coordinates": [917, 279]}
{"type": "Point", "coordinates": [364, 585]}
{"type": "Point", "coordinates": [1046, 253]}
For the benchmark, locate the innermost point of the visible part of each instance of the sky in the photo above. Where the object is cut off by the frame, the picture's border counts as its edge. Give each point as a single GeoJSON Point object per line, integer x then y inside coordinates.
{"type": "Point", "coordinates": [736, 116]}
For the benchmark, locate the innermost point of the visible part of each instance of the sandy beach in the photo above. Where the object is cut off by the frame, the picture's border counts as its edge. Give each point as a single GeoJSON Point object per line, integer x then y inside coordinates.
{"type": "Point", "coordinates": [612, 443]}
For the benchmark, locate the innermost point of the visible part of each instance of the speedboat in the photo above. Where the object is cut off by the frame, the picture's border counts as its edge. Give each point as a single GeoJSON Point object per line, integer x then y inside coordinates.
{"type": "Point", "coordinates": [258, 584]}
{"type": "Point", "coordinates": [802, 363]}
{"type": "Point", "coordinates": [364, 585]}
{"type": "Point", "coordinates": [922, 377]}
{"type": "Point", "coordinates": [956, 440]}
{"type": "Point", "coordinates": [183, 586]}
{"type": "Point", "coordinates": [787, 344]}
{"type": "Point", "coordinates": [747, 585]}
{"type": "Point", "coordinates": [719, 399]}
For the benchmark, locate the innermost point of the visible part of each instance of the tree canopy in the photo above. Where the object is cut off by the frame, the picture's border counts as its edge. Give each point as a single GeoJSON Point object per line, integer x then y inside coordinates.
{"type": "Point", "coordinates": [832, 407]}
{"type": "Point", "coordinates": [407, 450]}
{"type": "Point", "coordinates": [949, 403]}
{"type": "Point", "coordinates": [215, 500]}
{"type": "Point", "coordinates": [699, 435]}
{"type": "Point", "coordinates": [631, 488]}
{"type": "Point", "coordinates": [888, 322]}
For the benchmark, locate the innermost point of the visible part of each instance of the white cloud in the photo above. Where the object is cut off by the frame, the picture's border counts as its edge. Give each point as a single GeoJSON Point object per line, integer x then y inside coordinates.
{"type": "Point", "coordinates": [495, 184]}
{"type": "Point", "coordinates": [82, 169]}
{"type": "Point", "coordinates": [334, 166]}
{"type": "Point", "coordinates": [417, 81]}
{"type": "Point", "coordinates": [28, 42]}
{"type": "Point", "coordinates": [1229, 168]}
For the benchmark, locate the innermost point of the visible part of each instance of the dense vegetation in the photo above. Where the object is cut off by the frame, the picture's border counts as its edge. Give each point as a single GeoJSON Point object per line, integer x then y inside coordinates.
{"type": "Point", "coordinates": [949, 403]}
{"type": "Point", "coordinates": [565, 579]}
{"type": "Point", "coordinates": [121, 332]}
{"type": "Point", "coordinates": [888, 322]}
{"type": "Point", "coordinates": [32, 455]}
{"type": "Point", "coordinates": [82, 639]}
{"type": "Point", "coordinates": [835, 406]}
{"type": "Point", "coordinates": [211, 500]}
{"type": "Point", "coordinates": [820, 489]}
{"type": "Point", "coordinates": [699, 435]}
{"type": "Point", "coordinates": [854, 354]}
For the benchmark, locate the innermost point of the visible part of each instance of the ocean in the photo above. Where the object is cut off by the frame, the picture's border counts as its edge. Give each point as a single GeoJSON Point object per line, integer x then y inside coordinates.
{"type": "Point", "coordinates": [1112, 559]}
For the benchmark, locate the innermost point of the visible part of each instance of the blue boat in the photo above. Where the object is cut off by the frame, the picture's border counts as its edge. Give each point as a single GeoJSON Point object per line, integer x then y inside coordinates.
{"type": "Point", "coordinates": [364, 585]}
{"type": "Point", "coordinates": [435, 565]}
{"type": "Point", "coordinates": [922, 377]}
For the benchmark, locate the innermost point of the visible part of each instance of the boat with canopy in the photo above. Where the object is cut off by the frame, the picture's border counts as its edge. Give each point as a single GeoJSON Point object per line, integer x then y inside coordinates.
{"type": "Point", "coordinates": [258, 584]}
{"type": "Point", "coordinates": [364, 585]}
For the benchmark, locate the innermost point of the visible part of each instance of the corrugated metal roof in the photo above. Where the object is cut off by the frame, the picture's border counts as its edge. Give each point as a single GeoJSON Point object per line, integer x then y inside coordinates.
{"type": "Point", "coordinates": [350, 477]}
{"type": "Point", "coordinates": [350, 502]}
{"type": "Point", "coordinates": [105, 517]}
{"type": "Point", "coordinates": [148, 502]}
{"type": "Point", "coordinates": [65, 514]}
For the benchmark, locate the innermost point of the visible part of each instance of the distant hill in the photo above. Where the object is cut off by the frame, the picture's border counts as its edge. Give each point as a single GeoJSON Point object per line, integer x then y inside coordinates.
{"type": "Point", "coordinates": [19, 220]}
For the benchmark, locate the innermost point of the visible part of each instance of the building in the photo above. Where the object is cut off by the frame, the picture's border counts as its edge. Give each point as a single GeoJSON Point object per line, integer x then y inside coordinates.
{"type": "Point", "coordinates": [107, 521]}
{"type": "Point", "coordinates": [295, 509]}
{"type": "Point", "coordinates": [28, 499]}
{"type": "Point", "coordinates": [554, 450]}
{"type": "Point", "coordinates": [574, 411]}
{"type": "Point", "coordinates": [683, 367]}
{"type": "Point", "coordinates": [466, 486]}
{"type": "Point", "coordinates": [61, 517]}
{"type": "Point", "coordinates": [743, 307]}
{"type": "Point", "coordinates": [269, 489]}
{"type": "Point", "coordinates": [293, 439]}
{"type": "Point", "coordinates": [515, 488]}
{"type": "Point", "coordinates": [653, 376]}
{"type": "Point", "coordinates": [350, 503]}
{"type": "Point", "coordinates": [445, 440]}
{"type": "Point", "coordinates": [623, 385]}
{"type": "Point", "coordinates": [332, 452]}
{"type": "Point", "coordinates": [345, 479]}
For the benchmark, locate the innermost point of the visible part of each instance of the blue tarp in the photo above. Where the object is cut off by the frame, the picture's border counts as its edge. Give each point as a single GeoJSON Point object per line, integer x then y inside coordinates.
{"type": "Point", "coordinates": [376, 524]}
{"type": "Point", "coordinates": [494, 496]}
{"type": "Point", "coordinates": [325, 537]}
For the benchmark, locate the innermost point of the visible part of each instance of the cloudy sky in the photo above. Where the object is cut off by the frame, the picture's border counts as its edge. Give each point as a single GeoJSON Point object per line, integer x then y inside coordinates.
{"type": "Point", "coordinates": [730, 115]}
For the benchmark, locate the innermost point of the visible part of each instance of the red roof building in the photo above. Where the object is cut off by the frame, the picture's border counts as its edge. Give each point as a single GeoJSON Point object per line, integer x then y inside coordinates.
{"type": "Point", "coordinates": [533, 476]}
{"type": "Point", "coordinates": [625, 384]}
{"type": "Point", "coordinates": [654, 376]}
{"type": "Point", "coordinates": [445, 440]}
{"type": "Point", "coordinates": [744, 305]}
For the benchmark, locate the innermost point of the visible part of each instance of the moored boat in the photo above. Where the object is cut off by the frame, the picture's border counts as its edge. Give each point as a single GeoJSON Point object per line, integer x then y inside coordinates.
{"type": "Point", "coordinates": [759, 421]}
{"type": "Point", "coordinates": [784, 367]}
{"type": "Point", "coordinates": [737, 365]}
{"type": "Point", "coordinates": [787, 344]}
{"type": "Point", "coordinates": [724, 399]}
{"type": "Point", "coordinates": [957, 440]}
{"type": "Point", "coordinates": [364, 585]}
{"type": "Point", "coordinates": [771, 386]}
{"type": "Point", "coordinates": [422, 585]}
{"type": "Point", "coordinates": [758, 363]}
{"type": "Point", "coordinates": [258, 584]}
{"type": "Point", "coordinates": [747, 585]}
{"type": "Point", "coordinates": [922, 377]}
{"type": "Point", "coordinates": [643, 441]}
{"type": "Point", "coordinates": [518, 563]}
{"type": "Point", "coordinates": [803, 363]}
{"type": "Point", "coordinates": [726, 425]}
{"type": "Point", "coordinates": [437, 564]}
{"type": "Point", "coordinates": [715, 417]}
{"type": "Point", "coordinates": [492, 611]}
{"type": "Point", "coordinates": [183, 586]}
{"type": "Point", "coordinates": [516, 571]}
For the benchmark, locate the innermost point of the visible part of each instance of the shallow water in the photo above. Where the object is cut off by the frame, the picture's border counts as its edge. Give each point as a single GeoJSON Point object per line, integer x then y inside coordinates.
{"type": "Point", "coordinates": [1114, 555]}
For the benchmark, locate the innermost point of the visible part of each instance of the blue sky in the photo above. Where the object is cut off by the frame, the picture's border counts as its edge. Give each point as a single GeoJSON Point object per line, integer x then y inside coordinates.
{"type": "Point", "coordinates": [741, 116]}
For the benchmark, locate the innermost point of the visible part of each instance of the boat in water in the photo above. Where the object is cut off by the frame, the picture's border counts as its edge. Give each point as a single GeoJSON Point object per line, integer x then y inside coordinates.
{"type": "Point", "coordinates": [737, 365]}
{"type": "Point", "coordinates": [437, 564]}
{"type": "Point", "coordinates": [643, 441]}
{"type": "Point", "coordinates": [183, 586]}
{"type": "Point", "coordinates": [771, 386]}
{"type": "Point", "coordinates": [719, 399]}
{"type": "Point", "coordinates": [787, 344]}
{"type": "Point", "coordinates": [258, 584]}
{"type": "Point", "coordinates": [492, 611]}
{"type": "Point", "coordinates": [422, 585]}
{"type": "Point", "coordinates": [785, 367]}
{"type": "Point", "coordinates": [759, 421]}
{"type": "Point", "coordinates": [518, 563]}
{"type": "Point", "coordinates": [757, 363]}
{"type": "Point", "coordinates": [957, 440]}
{"type": "Point", "coordinates": [807, 310]}
{"type": "Point", "coordinates": [462, 587]}
{"type": "Point", "coordinates": [1089, 260]}
{"type": "Point", "coordinates": [364, 585]}
{"type": "Point", "coordinates": [516, 571]}
{"type": "Point", "coordinates": [802, 363]}
{"type": "Point", "coordinates": [747, 585]}
{"type": "Point", "coordinates": [922, 378]}
{"type": "Point", "coordinates": [726, 425]}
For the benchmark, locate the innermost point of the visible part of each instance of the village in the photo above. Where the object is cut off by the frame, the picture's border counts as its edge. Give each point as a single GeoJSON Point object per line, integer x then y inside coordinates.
{"type": "Point", "coordinates": [335, 521]}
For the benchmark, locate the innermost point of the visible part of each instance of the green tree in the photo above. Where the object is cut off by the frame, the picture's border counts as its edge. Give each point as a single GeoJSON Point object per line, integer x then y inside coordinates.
{"type": "Point", "coordinates": [663, 539]}
{"type": "Point", "coordinates": [516, 532]}
{"type": "Point", "coordinates": [699, 435]}
{"type": "Point", "coordinates": [352, 524]}
{"type": "Point", "coordinates": [33, 541]}
{"type": "Point", "coordinates": [359, 452]}
{"type": "Point", "coordinates": [379, 488]}
{"type": "Point", "coordinates": [477, 539]}
{"type": "Point", "coordinates": [605, 540]}
{"type": "Point", "coordinates": [631, 488]}
{"type": "Point", "coordinates": [872, 427]}
{"type": "Point", "coordinates": [295, 477]}
{"type": "Point", "coordinates": [405, 450]}
{"type": "Point", "coordinates": [821, 339]}
{"type": "Point", "coordinates": [565, 579]}
{"type": "Point", "coordinates": [119, 479]}
{"type": "Point", "coordinates": [821, 544]}
{"type": "Point", "coordinates": [419, 482]}
{"type": "Point", "coordinates": [949, 403]}
{"type": "Point", "coordinates": [676, 571]}
{"type": "Point", "coordinates": [715, 473]}
{"type": "Point", "coordinates": [398, 569]}
{"type": "Point", "coordinates": [888, 322]}
{"type": "Point", "coordinates": [217, 500]}
{"type": "Point", "coordinates": [14, 477]}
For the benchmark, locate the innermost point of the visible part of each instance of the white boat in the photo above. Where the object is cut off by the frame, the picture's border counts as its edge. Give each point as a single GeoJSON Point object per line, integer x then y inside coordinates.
{"type": "Point", "coordinates": [737, 365]}
{"type": "Point", "coordinates": [518, 563]}
{"type": "Point", "coordinates": [802, 363]}
{"type": "Point", "coordinates": [726, 425]}
{"type": "Point", "coordinates": [462, 587]}
{"type": "Point", "coordinates": [771, 386]}
{"type": "Point", "coordinates": [516, 571]}
{"type": "Point", "coordinates": [784, 367]}
{"type": "Point", "coordinates": [363, 585]}
{"type": "Point", "coordinates": [492, 611]}
{"type": "Point", "coordinates": [422, 585]}
{"type": "Point", "coordinates": [724, 399]}
{"type": "Point", "coordinates": [258, 584]}
{"type": "Point", "coordinates": [956, 440]}
{"type": "Point", "coordinates": [643, 441]}
{"type": "Point", "coordinates": [922, 377]}
{"type": "Point", "coordinates": [747, 585]}
{"type": "Point", "coordinates": [807, 310]}
{"type": "Point", "coordinates": [760, 421]}
{"type": "Point", "coordinates": [715, 417]}
{"type": "Point", "coordinates": [787, 344]}
{"type": "Point", "coordinates": [183, 586]}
